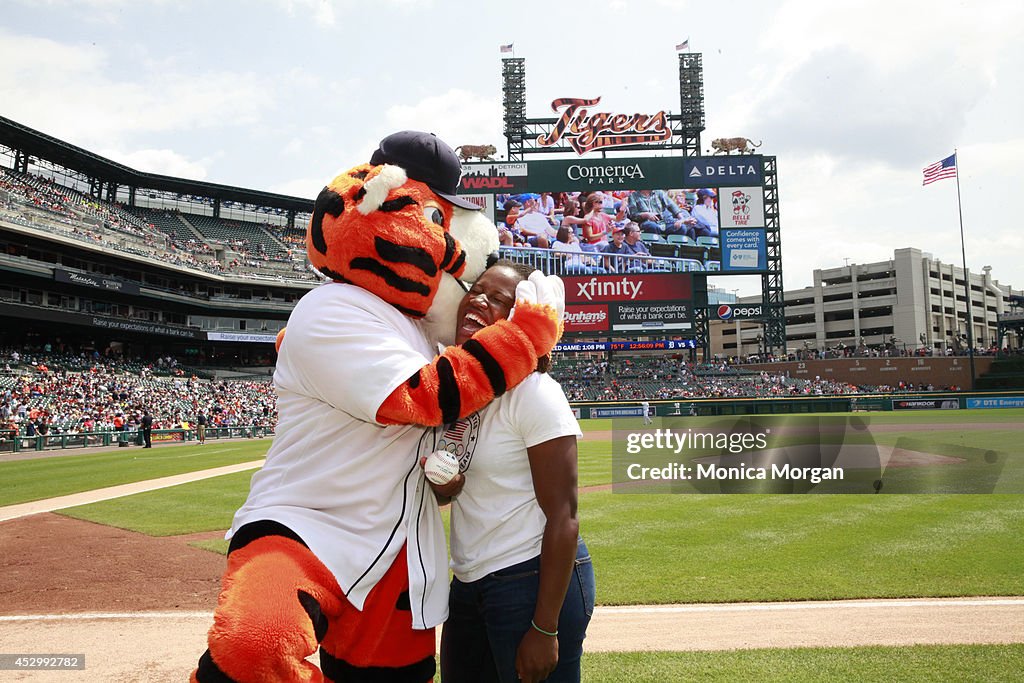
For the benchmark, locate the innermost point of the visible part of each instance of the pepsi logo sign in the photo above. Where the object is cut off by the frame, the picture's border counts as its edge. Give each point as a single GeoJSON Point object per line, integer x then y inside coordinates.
{"type": "Point", "coordinates": [727, 312]}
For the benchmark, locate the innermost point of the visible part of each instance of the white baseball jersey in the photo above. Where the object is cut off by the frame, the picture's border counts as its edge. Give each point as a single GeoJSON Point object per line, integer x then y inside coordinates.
{"type": "Point", "coordinates": [496, 520]}
{"type": "Point", "coordinates": [351, 488]}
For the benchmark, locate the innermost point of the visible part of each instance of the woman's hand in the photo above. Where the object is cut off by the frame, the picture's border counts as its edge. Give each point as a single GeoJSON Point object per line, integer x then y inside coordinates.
{"type": "Point", "coordinates": [445, 492]}
{"type": "Point", "coordinates": [536, 657]}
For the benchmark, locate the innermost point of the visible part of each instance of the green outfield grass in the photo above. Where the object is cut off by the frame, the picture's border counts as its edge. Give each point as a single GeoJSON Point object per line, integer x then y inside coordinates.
{"type": "Point", "coordinates": [60, 475]}
{"type": "Point", "coordinates": [724, 548]}
{"type": "Point", "coordinates": [48, 477]}
{"type": "Point", "coordinates": [720, 548]}
{"type": "Point", "coordinates": [916, 664]}
{"type": "Point", "coordinates": [206, 505]}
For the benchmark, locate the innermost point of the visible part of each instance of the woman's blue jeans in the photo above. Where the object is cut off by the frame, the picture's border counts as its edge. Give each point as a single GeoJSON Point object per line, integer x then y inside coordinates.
{"type": "Point", "coordinates": [488, 618]}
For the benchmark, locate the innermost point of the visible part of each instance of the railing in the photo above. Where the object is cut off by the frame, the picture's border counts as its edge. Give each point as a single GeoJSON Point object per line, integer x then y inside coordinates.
{"type": "Point", "coordinates": [553, 262]}
{"type": "Point", "coordinates": [11, 443]}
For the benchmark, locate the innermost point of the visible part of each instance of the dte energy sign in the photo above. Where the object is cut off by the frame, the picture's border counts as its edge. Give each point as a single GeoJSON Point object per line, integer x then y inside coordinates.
{"type": "Point", "coordinates": [635, 303]}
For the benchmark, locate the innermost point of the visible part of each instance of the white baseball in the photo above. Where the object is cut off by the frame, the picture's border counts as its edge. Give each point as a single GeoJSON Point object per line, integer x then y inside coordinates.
{"type": "Point", "coordinates": [441, 467]}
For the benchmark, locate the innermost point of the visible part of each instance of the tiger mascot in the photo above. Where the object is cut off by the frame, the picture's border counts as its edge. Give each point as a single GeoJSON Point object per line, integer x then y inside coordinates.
{"type": "Point", "coordinates": [340, 544]}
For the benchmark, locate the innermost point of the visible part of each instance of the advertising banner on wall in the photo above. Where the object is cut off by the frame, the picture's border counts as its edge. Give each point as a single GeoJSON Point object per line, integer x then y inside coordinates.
{"type": "Point", "coordinates": [90, 320]}
{"type": "Point", "coordinates": [736, 312]}
{"type": "Point", "coordinates": [245, 337]}
{"type": "Point", "coordinates": [493, 178]}
{"type": "Point", "coordinates": [926, 404]}
{"type": "Point", "coordinates": [996, 402]}
{"type": "Point", "coordinates": [627, 288]}
{"type": "Point", "coordinates": [741, 207]}
{"type": "Point", "coordinates": [620, 411]}
{"type": "Point", "coordinates": [627, 173]}
{"type": "Point", "coordinates": [742, 171]}
{"type": "Point", "coordinates": [744, 250]}
{"type": "Point", "coordinates": [96, 280]}
{"type": "Point", "coordinates": [650, 173]}
{"type": "Point", "coordinates": [628, 303]}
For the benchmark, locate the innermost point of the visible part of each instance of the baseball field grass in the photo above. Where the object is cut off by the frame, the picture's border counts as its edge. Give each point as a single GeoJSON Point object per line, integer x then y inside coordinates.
{"type": "Point", "coordinates": [28, 480]}
{"type": "Point", "coordinates": [653, 549]}
{"type": "Point", "coordinates": [59, 475]}
{"type": "Point", "coordinates": [915, 664]}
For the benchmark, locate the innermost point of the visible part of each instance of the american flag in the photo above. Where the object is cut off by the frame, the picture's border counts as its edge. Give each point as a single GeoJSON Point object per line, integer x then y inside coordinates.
{"type": "Point", "coordinates": [940, 169]}
{"type": "Point", "coordinates": [507, 48]}
{"type": "Point", "coordinates": [456, 431]}
{"type": "Point", "coordinates": [685, 45]}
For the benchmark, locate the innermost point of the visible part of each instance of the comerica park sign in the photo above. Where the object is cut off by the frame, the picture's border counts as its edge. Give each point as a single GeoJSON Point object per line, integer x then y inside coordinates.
{"type": "Point", "coordinates": [585, 131]}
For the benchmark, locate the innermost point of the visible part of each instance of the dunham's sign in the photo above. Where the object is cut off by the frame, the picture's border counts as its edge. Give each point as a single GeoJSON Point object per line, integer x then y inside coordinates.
{"type": "Point", "coordinates": [635, 304]}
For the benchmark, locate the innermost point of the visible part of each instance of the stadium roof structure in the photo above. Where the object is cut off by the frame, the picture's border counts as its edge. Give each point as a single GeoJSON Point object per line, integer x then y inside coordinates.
{"type": "Point", "coordinates": [42, 146]}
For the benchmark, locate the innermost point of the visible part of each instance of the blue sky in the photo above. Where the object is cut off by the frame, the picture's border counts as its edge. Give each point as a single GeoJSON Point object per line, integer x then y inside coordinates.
{"type": "Point", "coordinates": [853, 98]}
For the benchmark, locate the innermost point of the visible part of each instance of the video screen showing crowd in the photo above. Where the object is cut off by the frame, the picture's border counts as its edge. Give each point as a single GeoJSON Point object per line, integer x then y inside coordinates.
{"type": "Point", "coordinates": [603, 231]}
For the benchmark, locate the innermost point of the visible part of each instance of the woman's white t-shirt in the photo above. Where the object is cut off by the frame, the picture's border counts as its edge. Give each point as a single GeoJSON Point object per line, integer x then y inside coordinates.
{"type": "Point", "coordinates": [496, 520]}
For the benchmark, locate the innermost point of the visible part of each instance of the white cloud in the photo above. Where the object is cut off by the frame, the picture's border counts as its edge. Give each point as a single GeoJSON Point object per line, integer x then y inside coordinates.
{"type": "Point", "coordinates": [66, 90]}
{"type": "Point", "coordinates": [458, 117]}
{"type": "Point", "coordinates": [162, 161]}
{"type": "Point", "coordinates": [322, 11]}
{"type": "Point", "coordinates": [301, 187]}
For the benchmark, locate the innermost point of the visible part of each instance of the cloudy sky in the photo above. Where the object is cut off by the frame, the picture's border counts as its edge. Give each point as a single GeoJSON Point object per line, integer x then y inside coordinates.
{"type": "Point", "coordinates": [853, 98]}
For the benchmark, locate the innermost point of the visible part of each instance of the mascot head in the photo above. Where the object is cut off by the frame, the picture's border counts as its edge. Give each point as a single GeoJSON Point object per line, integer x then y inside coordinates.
{"type": "Point", "coordinates": [396, 227]}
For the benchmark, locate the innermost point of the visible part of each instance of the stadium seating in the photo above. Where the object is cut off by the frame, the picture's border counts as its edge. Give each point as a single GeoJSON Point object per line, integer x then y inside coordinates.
{"type": "Point", "coordinates": [170, 223]}
{"type": "Point", "coordinates": [251, 237]}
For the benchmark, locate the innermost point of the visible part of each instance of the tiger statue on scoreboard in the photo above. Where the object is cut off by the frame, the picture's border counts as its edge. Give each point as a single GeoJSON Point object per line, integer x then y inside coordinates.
{"type": "Point", "coordinates": [481, 152]}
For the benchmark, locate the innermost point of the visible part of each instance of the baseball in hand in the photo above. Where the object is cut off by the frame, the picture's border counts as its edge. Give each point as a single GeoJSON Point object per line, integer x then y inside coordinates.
{"type": "Point", "coordinates": [441, 467]}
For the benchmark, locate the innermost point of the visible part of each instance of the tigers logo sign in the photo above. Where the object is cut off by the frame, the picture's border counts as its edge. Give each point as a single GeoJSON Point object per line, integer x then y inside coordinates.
{"type": "Point", "coordinates": [585, 131]}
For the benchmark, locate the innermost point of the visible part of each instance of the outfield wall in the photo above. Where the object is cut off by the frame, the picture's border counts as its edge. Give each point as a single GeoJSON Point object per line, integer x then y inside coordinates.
{"type": "Point", "coordinates": [909, 401]}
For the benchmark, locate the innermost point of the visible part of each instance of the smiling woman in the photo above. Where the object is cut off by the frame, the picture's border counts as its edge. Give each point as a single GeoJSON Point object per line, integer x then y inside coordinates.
{"type": "Point", "coordinates": [524, 587]}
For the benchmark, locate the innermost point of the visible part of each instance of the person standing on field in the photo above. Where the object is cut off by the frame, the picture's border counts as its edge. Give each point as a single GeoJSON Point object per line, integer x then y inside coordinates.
{"type": "Point", "coordinates": [201, 427]}
{"type": "Point", "coordinates": [147, 428]}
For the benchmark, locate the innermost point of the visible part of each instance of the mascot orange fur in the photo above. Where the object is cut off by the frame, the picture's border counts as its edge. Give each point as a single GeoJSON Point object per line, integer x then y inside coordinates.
{"type": "Point", "coordinates": [340, 545]}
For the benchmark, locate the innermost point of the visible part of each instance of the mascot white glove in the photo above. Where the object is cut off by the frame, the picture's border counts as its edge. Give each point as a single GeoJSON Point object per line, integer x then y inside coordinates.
{"type": "Point", "coordinates": [542, 289]}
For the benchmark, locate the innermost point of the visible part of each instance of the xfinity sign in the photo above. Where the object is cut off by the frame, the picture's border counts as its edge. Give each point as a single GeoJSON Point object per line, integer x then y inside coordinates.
{"type": "Point", "coordinates": [737, 312]}
{"type": "Point", "coordinates": [628, 288]}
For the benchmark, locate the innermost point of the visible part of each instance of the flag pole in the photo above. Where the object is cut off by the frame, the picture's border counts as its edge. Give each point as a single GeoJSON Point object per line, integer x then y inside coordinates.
{"type": "Point", "coordinates": [967, 279]}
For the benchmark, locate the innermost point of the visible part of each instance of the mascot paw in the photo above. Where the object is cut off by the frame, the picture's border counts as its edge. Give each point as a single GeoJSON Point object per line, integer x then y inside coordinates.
{"type": "Point", "coordinates": [544, 290]}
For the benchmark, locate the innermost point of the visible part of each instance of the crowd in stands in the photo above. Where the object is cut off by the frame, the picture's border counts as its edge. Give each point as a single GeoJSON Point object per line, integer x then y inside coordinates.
{"type": "Point", "coordinates": [48, 392]}
{"type": "Point", "coordinates": [70, 393]}
{"type": "Point", "coordinates": [112, 225]}
{"type": "Point", "coordinates": [887, 350]}
{"type": "Point", "coordinates": [592, 379]}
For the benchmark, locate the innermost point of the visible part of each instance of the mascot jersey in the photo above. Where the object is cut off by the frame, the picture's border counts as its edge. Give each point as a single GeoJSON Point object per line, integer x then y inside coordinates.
{"type": "Point", "coordinates": [343, 482]}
